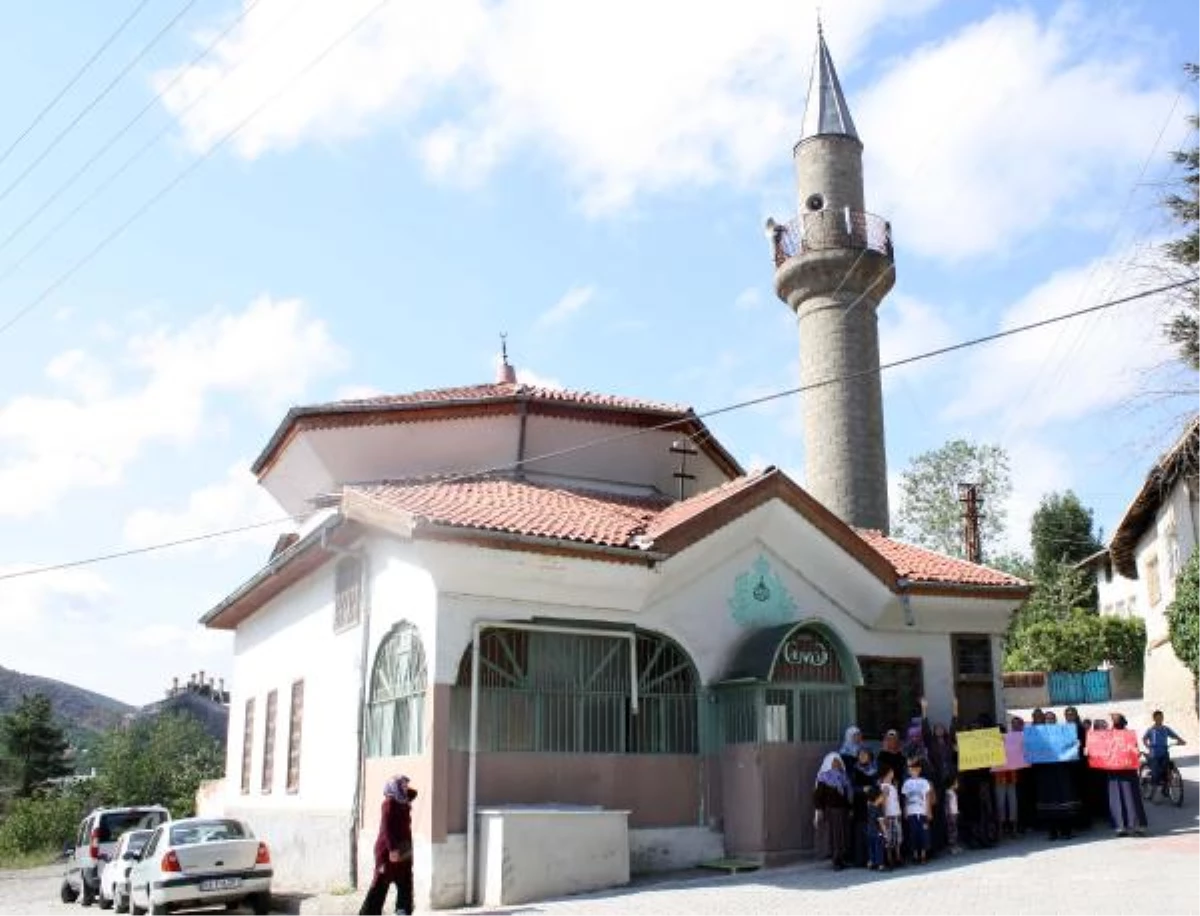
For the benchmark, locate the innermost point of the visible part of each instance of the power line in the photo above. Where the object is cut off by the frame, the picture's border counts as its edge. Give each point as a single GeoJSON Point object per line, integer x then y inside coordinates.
{"type": "Point", "coordinates": [195, 164]}
{"type": "Point", "coordinates": [108, 144]}
{"type": "Point", "coordinates": [73, 80]}
{"type": "Point", "coordinates": [668, 424]}
{"type": "Point", "coordinates": [117, 555]}
{"type": "Point", "coordinates": [97, 99]}
{"type": "Point", "coordinates": [113, 176]}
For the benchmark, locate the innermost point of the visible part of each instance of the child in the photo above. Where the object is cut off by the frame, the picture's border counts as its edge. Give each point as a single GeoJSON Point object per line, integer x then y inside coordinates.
{"type": "Point", "coordinates": [1158, 739]}
{"type": "Point", "coordinates": [918, 806]}
{"type": "Point", "coordinates": [952, 816]}
{"type": "Point", "coordinates": [877, 830]}
{"type": "Point", "coordinates": [891, 813]}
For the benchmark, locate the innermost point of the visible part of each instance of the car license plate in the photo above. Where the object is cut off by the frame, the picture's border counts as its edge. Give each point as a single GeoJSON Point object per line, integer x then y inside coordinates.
{"type": "Point", "coordinates": [220, 884]}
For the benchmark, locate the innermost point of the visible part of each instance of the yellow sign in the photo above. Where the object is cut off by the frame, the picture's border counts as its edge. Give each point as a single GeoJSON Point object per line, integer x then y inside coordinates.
{"type": "Point", "coordinates": [981, 748]}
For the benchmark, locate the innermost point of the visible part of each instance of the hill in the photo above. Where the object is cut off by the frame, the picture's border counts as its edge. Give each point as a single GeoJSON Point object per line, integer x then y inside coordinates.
{"type": "Point", "coordinates": [80, 711]}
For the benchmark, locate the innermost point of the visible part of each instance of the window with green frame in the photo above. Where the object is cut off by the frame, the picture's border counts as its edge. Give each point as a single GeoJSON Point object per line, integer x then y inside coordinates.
{"type": "Point", "coordinates": [567, 693]}
{"type": "Point", "coordinates": [396, 707]}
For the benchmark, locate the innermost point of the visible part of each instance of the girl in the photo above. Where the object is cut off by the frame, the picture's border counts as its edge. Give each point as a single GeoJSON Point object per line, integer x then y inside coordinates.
{"type": "Point", "coordinates": [393, 849]}
{"type": "Point", "coordinates": [831, 799]}
{"type": "Point", "coordinates": [951, 807]}
{"type": "Point", "coordinates": [918, 806]}
{"type": "Point", "coordinates": [862, 778]}
{"type": "Point", "coordinates": [891, 813]}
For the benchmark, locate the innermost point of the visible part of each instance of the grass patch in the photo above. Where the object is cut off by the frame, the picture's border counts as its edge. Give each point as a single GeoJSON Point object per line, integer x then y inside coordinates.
{"type": "Point", "coordinates": [29, 859]}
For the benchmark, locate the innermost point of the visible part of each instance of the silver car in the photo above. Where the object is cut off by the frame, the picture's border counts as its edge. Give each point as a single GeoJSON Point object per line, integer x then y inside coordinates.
{"type": "Point", "coordinates": [114, 876]}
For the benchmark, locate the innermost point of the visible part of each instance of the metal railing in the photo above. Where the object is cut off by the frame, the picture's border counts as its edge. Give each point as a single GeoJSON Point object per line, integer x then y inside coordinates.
{"type": "Point", "coordinates": [829, 229]}
{"type": "Point", "coordinates": [781, 714]}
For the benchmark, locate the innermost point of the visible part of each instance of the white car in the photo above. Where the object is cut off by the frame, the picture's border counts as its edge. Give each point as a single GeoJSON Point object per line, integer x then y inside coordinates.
{"type": "Point", "coordinates": [114, 876]}
{"type": "Point", "coordinates": [201, 861]}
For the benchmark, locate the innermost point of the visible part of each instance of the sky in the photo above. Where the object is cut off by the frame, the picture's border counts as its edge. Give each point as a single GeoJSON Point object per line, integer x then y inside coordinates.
{"type": "Point", "coordinates": [236, 208]}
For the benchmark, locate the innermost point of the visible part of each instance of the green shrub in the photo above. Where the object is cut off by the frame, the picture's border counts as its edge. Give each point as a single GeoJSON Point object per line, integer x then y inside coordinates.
{"type": "Point", "coordinates": [41, 824]}
{"type": "Point", "coordinates": [1079, 641]}
{"type": "Point", "coordinates": [1183, 616]}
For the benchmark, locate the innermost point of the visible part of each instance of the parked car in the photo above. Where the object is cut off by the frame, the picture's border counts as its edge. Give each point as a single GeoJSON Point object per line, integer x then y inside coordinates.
{"type": "Point", "coordinates": [114, 876]}
{"type": "Point", "coordinates": [94, 845]}
{"type": "Point", "coordinates": [201, 861]}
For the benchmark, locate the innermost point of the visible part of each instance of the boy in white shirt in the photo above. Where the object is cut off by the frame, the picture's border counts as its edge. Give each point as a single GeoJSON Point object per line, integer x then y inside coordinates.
{"type": "Point", "coordinates": [918, 808]}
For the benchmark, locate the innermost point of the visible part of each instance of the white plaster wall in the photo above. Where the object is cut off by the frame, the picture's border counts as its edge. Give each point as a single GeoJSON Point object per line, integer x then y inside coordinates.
{"type": "Point", "coordinates": [643, 458]}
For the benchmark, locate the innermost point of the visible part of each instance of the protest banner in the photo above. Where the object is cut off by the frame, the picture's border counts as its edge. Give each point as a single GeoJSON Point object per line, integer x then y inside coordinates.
{"type": "Point", "coordinates": [980, 748]}
{"type": "Point", "coordinates": [1014, 753]}
{"type": "Point", "coordinates": [1051, 743]}
{"type": "Point", "coordinates": [1113, 749]}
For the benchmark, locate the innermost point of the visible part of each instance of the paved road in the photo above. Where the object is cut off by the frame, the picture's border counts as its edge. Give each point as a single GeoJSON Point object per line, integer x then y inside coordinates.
{"type": "Point", "coordinates": [35, 890]}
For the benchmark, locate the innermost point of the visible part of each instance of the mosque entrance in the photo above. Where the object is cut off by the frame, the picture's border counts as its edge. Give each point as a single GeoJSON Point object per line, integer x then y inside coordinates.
{"type": "Point", "coordinates": [785, 701]}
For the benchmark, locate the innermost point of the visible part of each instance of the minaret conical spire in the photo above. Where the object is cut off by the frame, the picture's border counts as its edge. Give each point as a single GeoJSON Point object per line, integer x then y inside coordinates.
{"type": "Point", "coordinates": [826, 111]}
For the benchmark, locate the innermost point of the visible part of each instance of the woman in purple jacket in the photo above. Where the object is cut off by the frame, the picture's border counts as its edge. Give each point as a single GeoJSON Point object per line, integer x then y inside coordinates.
{"type": "Point", "coordinates": [393, 849]}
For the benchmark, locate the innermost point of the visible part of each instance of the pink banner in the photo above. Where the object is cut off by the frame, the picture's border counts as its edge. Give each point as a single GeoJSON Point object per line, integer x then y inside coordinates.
{"type": "Point", "coordinates": [1014, 753]}
{"type": "Point", "coordinates": [1112, 749]}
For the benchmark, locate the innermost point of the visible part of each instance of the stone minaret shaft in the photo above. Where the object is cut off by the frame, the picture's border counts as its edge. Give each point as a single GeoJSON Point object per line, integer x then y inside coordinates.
{"type": "Point", "coordinates": [834, 265]}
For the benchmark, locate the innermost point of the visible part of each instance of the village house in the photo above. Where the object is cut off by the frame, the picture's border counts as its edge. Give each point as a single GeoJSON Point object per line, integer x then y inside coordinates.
{"type": "Point", "coordinates": [1136, 572]}
{"type": "Point", "coordinates": [554, 608]}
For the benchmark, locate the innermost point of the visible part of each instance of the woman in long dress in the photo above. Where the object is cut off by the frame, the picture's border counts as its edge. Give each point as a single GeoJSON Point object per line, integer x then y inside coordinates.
{"type": "Point", "coordinates": [393, 849]}
{"type": "Point", "coordinates": [832, 796]}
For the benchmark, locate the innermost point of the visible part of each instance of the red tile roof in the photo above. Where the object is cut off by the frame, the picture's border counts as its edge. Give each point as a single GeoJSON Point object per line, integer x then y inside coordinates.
{"type": "Point", "coordinates": [502, 504]}
{"type": "Point", "coordinates": [519, 507]}
{"type": "Point", "coordinates": [920, 565]}
{"type": "Point", "coordinates": [500, 391]}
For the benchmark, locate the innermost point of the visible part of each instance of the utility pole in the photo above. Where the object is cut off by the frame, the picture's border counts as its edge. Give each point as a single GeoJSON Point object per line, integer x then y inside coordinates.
{"type": "Point", "coordinates": [968, 495]}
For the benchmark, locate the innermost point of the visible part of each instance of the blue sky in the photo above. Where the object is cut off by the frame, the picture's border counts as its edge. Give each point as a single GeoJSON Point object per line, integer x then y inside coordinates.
{"type": "Point", "coordinates": [591, 178]}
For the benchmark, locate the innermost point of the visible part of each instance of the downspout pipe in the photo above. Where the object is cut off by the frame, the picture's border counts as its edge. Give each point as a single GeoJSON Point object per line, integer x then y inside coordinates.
{"type": "Point", "coordinates": [473, 746]}
{"type": "Point", "coordinates": [364, 561]}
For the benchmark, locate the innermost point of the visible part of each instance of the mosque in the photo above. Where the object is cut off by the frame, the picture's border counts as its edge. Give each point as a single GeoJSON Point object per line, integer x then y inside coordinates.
{"type": "Point", "coordinates": [544, 605]}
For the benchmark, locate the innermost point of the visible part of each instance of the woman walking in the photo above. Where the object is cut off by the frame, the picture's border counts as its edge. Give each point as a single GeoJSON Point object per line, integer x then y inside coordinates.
{"type": "Point", "coordinates": [832, 799]}
{"type": "Point", "coordinates": [393, 850]}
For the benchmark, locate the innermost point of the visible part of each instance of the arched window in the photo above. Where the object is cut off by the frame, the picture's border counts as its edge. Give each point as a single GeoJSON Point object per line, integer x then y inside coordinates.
{"type": "Point", "coordinates": [396, 709]}
{"type": "Point", "coordinates": [567, 693]}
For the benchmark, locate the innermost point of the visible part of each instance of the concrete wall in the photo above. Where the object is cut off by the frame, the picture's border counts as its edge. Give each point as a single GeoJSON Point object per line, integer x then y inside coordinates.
{"type": "Point", "coordinates": [532, 854]}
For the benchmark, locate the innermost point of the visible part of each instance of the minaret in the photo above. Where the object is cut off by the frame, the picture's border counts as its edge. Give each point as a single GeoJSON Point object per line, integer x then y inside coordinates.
{"type": "Point", "coordinates": [833, 267]}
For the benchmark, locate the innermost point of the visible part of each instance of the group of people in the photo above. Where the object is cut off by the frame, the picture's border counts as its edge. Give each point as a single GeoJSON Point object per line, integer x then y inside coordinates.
{"type": "Point", "coordinates": [909, 800]}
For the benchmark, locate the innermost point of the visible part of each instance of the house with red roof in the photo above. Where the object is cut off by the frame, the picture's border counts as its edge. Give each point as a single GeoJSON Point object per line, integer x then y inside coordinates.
{"type": "Point", "coordinates": [595, 642]}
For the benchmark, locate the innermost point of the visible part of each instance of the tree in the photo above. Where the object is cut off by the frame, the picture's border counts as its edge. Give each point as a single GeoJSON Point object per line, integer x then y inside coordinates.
{"type": "Point", "coordinates": [1183, 327]}
{"type": "Point", "coordinates": [1079, 642]}
{"type": "Point", "coordinates": [930, 514]}
{"type": "Point", "coordinates": [160, 760]}
{"type": "Point", "coordinates": [1183, 615]}
{"type": "Point", "coordinates": [1061, 533]}
{"type": "Point", "coordinates": [34, 744]}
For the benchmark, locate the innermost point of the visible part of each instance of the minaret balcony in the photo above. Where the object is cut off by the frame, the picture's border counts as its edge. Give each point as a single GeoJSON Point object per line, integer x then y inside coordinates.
{"type": "Point", "coordinates": [830, 229]}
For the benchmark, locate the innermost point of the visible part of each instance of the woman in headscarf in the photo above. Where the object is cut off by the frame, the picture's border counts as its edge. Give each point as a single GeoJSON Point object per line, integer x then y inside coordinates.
{"type": "Point", "coordinates": [1081, 774]}
{"type": "Point", "coordinates": [393, 849]}
{"type": "Point", "coordinates": [832, 797]}
{"type": "Point", "coordinates": [1125, 806]}
{"type": "Point", "coordinates": [940, 769]}
{"type": "Point", "coordinates": [852, 743]}
{"type": "Point", "coordinates": [863, 776]}
{"type": "Point", "coordinates": [891, 757]}
{"type": "Point", "coordinates": [1057, 801]}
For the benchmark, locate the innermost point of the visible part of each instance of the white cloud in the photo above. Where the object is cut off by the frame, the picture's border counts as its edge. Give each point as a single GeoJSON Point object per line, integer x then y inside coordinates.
{"type": "Point", "coordinates": [46, 601]}
{"type": "Point", "coordinates": [1037, 469]}
{"type": "Point", "coordinates": [629, 97]}
{"type": "Point", "coordinates": [569, 304]}
{"type": "Point", "coordinates": [233, 502]}
{"type": "Point", "coordinates": [908, 327]}
{"type": "Point", "coordinates": [529, 377]}
{"type": "Point", "coordinates": [976, 142]}
{"type": "Point", "coordinates": [748, 299]}
{"type": "Point", "coordinates": [52, 444]}
{"type": "Point", "coordinates": [1069, 370]}
{"type": "Point", "coordinates": [193, 640]}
